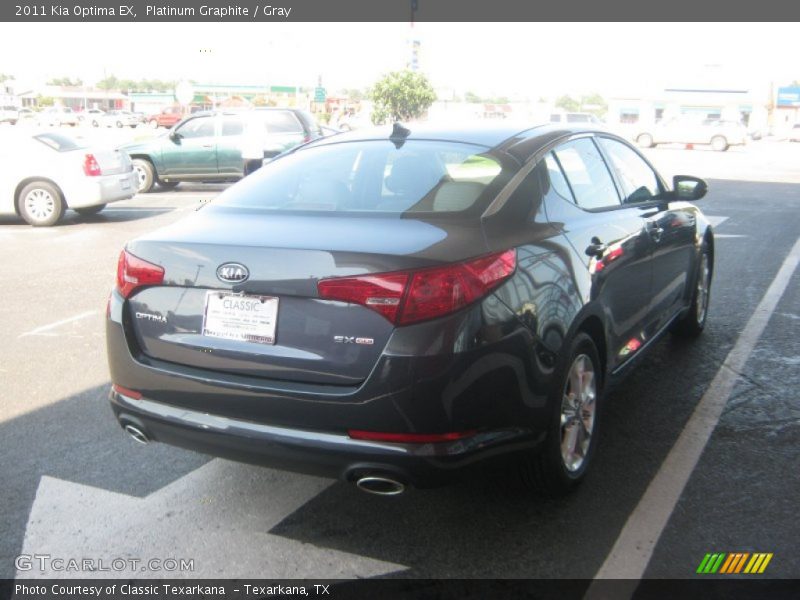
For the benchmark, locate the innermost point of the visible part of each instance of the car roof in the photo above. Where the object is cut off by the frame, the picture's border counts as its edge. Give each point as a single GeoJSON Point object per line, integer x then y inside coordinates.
{"type": "Point", "coordinates": [239, 111]}
{"type": "Point", "coordinates": [519, 139]}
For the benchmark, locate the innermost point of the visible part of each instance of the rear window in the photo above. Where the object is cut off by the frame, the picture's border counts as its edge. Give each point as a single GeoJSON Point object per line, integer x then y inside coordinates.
{"type": "Point", "coordinates": [281, 122]}
{"type": "Point", "coordinates": [372, 176]}
{"type": "Point", "coordinates": [58, 142]}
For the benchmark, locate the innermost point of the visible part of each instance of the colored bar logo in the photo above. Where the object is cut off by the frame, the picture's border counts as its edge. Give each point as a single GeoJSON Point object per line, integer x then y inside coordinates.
{"type": "Point", "coordinates": [733, 563]}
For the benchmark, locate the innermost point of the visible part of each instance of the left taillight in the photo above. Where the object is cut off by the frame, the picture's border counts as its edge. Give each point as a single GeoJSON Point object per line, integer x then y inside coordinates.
{"type": "Point", "coordinates": [134, 272]}
{"type": "Point", "coordinates": [406, 297]}
{"type": "Point", "coordinates": [91, 167]}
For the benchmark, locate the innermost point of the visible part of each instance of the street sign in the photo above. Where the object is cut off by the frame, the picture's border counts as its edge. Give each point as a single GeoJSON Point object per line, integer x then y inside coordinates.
{"type": "Point", "coordinates": [320, 94]}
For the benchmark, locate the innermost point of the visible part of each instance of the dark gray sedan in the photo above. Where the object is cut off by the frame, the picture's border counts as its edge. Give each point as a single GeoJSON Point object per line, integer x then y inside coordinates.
{"type": "Point", "coordinates": [394, 307]}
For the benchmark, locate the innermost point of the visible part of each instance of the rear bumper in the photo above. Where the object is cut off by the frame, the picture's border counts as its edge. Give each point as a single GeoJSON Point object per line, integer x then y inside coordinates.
{"type": "Point", "coordinates": [91, 191]}
{"type": "Point", "coordinates": [421, 384]}
{"type": "Point", "coordinates": [318, 453]}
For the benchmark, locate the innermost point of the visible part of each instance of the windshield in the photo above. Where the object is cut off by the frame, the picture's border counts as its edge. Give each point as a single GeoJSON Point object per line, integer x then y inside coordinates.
{"type": "Point", "coordinates": [373, 176]}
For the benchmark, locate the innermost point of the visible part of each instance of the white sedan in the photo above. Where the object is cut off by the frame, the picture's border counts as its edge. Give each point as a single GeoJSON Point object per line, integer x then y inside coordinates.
{"type": "Point", "coordinates": [43, 174]}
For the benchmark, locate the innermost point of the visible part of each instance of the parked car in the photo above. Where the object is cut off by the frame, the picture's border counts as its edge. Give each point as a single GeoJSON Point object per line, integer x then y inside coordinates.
{"type": "Point", "coordinates": [46, 173]}
{"type": "Point", "coordinates": [91, 116]}
{"type": "Point", "coordinates": [26, 116]}
{"type": "Point", "coordinates": [574, 117]}
{"type": "Point", "coordinates": [207, 146]}
{"type": "Point", "coordinates": [56, 116]}
{"type": "Point", "coordinates": [794, 134]}
{"type": "Point", "coordinates": [9, 114]}
{"type": "Point", "coordinates": [395, 307]}
{"type": "Point", "coordinates": [119, 119]}
{"type": "Point", "coordinates": [168, 117]}
{"type": "Point", "coordinates": [720, 135]}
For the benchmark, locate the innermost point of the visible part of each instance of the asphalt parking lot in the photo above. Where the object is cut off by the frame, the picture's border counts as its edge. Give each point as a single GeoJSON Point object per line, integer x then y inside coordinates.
{"type": "Point", "coordinates": [75, 486]}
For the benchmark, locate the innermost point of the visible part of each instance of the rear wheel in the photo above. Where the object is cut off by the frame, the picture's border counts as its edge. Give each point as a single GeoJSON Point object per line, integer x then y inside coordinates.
{"type": "Point", "coordinates": [692, 323]}
{"type": "Point", "coordinates": [168, 185]}
{"type": "Point", "coordinates": [572, 432]}
{"type": "Point", "coordinates": [719, 143]}
{"type": "Point", "coordinates": [145, 175]}
{"type": "Point", "coordinates": [153, 124]}
{"type": "Point", "coordinates": [86, 211]}
{"type": "Point", "coordinates": [40, 204]}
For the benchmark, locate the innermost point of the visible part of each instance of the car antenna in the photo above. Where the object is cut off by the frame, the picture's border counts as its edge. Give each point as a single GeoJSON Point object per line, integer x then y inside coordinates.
{"type": "Point", "coordinates": [399, 134]}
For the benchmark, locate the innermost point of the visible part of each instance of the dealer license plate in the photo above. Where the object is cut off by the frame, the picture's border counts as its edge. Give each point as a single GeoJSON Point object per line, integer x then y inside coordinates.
{"type": "Point", "coordinates": [240, 317]}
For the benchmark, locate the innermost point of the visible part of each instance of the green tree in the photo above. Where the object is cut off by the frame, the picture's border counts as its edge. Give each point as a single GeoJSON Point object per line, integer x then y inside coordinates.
{"type": "Point", "coordinates": [65, 81]}
{"type": "Point", "coordinates": [5, 77]}
{"type": "Point", "coordinates": [595, 104]}
{"type": "Point", "coordinates": [568, 103]}
{"type": "Point", "coordinates": [400, 96]}
{"type": "Point", "coordinates": [472, 97]}
{"type": "Point", "coordinates": [44, 100]}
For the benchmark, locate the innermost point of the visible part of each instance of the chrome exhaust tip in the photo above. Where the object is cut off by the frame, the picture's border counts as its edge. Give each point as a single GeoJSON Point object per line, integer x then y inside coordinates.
{"type": "Point", "coordinates": [137, 434]}
{"type": "Point", "coordinates": [380, 485]}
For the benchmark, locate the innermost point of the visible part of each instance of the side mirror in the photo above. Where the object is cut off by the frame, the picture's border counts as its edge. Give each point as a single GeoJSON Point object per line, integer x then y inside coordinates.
{"type": "Point", "coordinates": [175, 137]}
{"type": "Point", "coordinates": [687, 187]}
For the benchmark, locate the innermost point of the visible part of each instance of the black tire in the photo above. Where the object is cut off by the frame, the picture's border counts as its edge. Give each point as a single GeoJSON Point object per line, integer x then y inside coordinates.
{"type": "Point", "coordinates": [547, 472]}
{"type": "Point", "coordinates": [145, 175]}
{"type": "Point", "coordinates": [153, 124]}
{"type": "Point", "coordinates": [40, 204]}
{"type": "Point", "coordinates": [693, 322]}
{"type": "Point", "coordinates": [95, 124]}
{"type": "Point", "coordinates": [86, 211]}
{"type": "Point", "coordinates": [168, 185]}
{"type": "Point", "coordinates": [119, 124]}
{"type": "Point", "coordinates": [719, 143]}
{"type": "Point", "coordinates": [644, 140]}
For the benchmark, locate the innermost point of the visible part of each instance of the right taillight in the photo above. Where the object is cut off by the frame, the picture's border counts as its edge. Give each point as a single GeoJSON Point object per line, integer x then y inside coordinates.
{"type": "Point", "coordinates": [134, 272]}
{"type": "Point", "coordinates": [406, 297]}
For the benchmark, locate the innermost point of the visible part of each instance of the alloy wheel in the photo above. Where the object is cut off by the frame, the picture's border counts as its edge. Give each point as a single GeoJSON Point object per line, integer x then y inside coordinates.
{"type": "Point", "coordinates": [702, 289]}
{"type": "Point", "coordinates": [578, 413]}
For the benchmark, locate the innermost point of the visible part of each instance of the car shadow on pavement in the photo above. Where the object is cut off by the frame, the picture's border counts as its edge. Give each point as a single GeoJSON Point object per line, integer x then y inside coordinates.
{"type": "Point", "coordinates": [76, 439]}
{"type": "Point", "coordinates": [491, 527]}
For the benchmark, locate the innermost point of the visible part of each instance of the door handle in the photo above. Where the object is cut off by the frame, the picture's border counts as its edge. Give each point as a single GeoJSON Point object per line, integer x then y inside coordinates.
{"type": "Point", "coordinates": [207, 146]}
{"type": "Point", "coordinates": [655, 231]}
{"type": "Point", "coordinates": [596, 248]}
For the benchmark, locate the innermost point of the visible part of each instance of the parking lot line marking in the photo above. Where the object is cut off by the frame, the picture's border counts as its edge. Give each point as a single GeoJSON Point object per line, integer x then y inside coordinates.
{"type": "Point", "coordinates": [634, 547]}
{"type": "Point", "coordinates": [45, 328]}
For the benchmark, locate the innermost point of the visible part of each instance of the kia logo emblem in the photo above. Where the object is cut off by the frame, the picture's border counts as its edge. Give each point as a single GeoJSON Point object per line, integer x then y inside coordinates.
{"type": "Point", "coordinates": [232, 273]}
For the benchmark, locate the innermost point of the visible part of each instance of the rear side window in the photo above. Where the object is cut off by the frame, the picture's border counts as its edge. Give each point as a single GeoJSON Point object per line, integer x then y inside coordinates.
{"type": "Point", "coordinates": [587, 174]}
{"type": "Point", "coordinates": [557, 180]}
{"type": "Point", "coordinates": [199, 127]}
{"type": "Point", "coordinates": [639, 181]}
{"type": "Point", "coordinates": [372, 176]}
{"type": "Point", "coordinates": [279, 121]}
{"type": "Point", "coordinates": [60, 143]}
{"type": "Point", "coordinates": [232, 126]}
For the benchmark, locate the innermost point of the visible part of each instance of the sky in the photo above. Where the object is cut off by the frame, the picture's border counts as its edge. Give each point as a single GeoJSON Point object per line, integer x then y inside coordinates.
{"type": "Point", "coordinates": [530, 60]}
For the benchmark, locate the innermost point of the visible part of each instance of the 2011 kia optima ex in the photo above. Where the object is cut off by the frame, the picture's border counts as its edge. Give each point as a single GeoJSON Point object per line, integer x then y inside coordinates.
{"type": "Point", "coordinates": [394, 307]}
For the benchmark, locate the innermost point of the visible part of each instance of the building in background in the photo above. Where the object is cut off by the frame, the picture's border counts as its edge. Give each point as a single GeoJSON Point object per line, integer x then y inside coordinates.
{"type": "Point", "coordinates": [745, 105]}
{"type": "Point", "coordinates": [787, 107]}
{"type": "Point", "coordinates": [74, 97]}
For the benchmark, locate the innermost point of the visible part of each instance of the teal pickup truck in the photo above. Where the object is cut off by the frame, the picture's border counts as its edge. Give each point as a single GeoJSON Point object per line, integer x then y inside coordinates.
{"type": "Point", "coordinates": [207, 146]}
